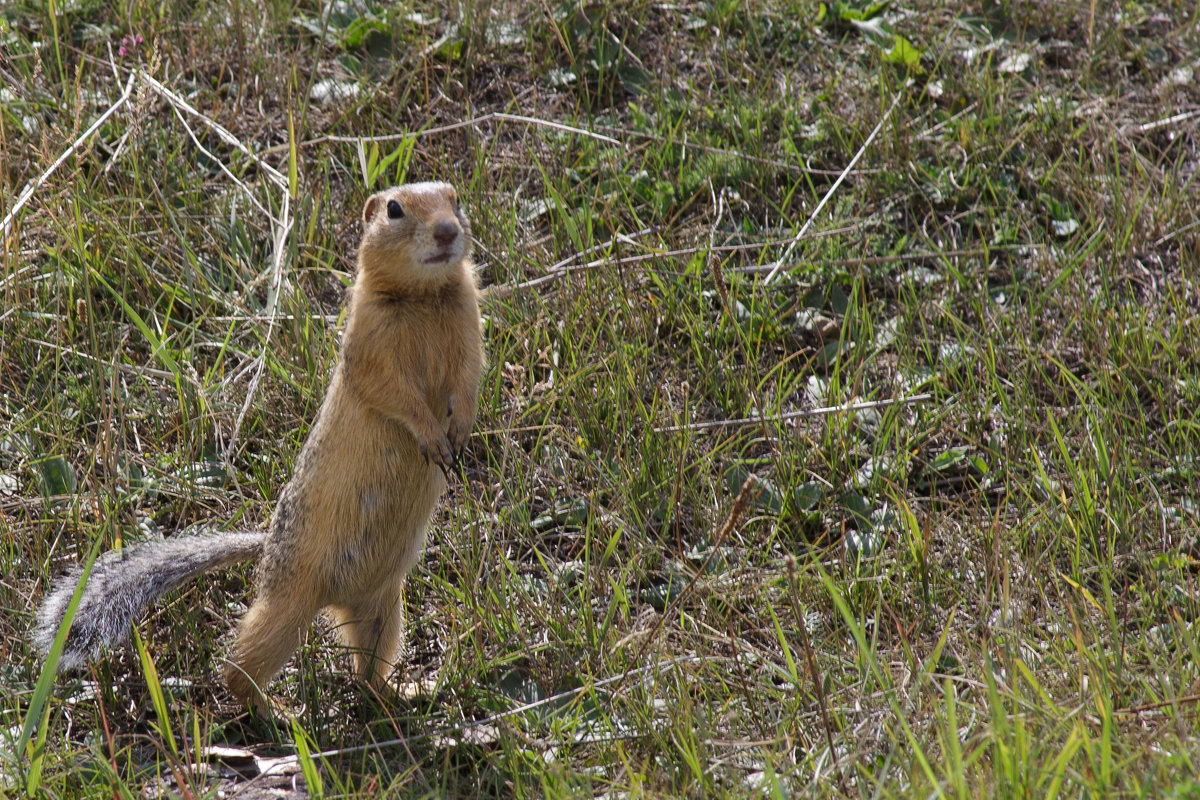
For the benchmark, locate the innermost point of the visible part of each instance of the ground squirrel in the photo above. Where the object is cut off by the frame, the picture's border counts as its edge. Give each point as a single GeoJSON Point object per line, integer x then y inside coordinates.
{"type": "Point", "coordinates": [352, 521]}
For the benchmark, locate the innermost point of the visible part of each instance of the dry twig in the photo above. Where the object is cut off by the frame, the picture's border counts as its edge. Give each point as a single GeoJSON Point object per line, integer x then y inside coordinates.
{"type": "Point", "coordinates": [804, 229]}
{"type": "Point", "coordinates": [33, 186]}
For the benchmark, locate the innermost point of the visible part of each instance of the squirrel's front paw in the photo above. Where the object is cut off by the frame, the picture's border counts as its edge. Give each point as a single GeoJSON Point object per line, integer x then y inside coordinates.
{"type": "Point", "coordinates": [457, 435]}
{"type": "Point", "coordinates": [458, 430]}
{"type": "Point", "coordinates": [437, 449]}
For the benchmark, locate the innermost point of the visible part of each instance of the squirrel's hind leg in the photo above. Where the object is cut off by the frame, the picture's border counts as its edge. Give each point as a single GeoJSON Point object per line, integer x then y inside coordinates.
{"type": "Point", "coordinates": [266, 637]}
{"type": "Point", "coordinates": [372, 629]}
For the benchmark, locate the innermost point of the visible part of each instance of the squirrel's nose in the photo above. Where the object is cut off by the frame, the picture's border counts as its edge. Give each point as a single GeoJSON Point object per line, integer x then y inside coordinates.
{"type": "Point", "coordinates": [445, 232]}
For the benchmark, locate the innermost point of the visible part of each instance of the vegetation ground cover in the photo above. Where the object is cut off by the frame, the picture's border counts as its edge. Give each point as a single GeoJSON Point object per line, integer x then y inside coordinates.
{"type": "Point", "coordinates": [838, 436]}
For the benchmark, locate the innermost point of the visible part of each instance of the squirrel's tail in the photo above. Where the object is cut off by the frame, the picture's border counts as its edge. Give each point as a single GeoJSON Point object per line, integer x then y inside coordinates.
{"type": "Point", "coordinates": [125, 582]}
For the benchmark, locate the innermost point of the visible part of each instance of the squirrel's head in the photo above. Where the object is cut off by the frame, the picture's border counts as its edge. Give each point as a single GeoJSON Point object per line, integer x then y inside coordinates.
{"type": "Point", "coordinates": [415, 233]}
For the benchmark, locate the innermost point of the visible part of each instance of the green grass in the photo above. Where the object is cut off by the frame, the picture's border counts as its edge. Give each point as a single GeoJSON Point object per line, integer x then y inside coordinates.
{"type": "Point", "coordinates": [986, 593]}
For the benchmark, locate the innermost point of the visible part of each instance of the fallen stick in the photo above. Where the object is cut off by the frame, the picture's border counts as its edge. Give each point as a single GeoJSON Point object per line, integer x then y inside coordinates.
{"type": "Point", "coordinates": [811, 412]}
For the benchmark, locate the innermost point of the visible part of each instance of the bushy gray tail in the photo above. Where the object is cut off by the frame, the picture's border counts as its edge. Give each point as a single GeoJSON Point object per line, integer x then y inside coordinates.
{"type": "Point", "coordinates": [123, 583]}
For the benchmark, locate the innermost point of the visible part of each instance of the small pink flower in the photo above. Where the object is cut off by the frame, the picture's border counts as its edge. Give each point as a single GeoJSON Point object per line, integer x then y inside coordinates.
{"type": "Point", "coordinates": [129, 44]}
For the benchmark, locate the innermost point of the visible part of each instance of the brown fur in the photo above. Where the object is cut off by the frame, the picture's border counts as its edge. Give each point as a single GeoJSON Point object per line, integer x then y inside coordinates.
{"type": "Point", "coordinates": [351, 522]}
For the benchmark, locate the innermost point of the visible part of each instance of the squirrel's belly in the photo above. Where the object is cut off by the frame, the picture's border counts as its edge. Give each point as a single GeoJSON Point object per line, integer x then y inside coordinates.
{"type": "Point", "coordinates": [374, 512]}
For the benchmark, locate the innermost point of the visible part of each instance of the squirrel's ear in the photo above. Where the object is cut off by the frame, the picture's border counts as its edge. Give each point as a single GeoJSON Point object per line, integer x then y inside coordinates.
{"type": "Point", "coordinates": [374, 202]}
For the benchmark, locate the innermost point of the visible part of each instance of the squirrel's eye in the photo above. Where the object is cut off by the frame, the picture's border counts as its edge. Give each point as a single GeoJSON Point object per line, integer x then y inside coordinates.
{"type": "Point", "coordinates": [394, 210]}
